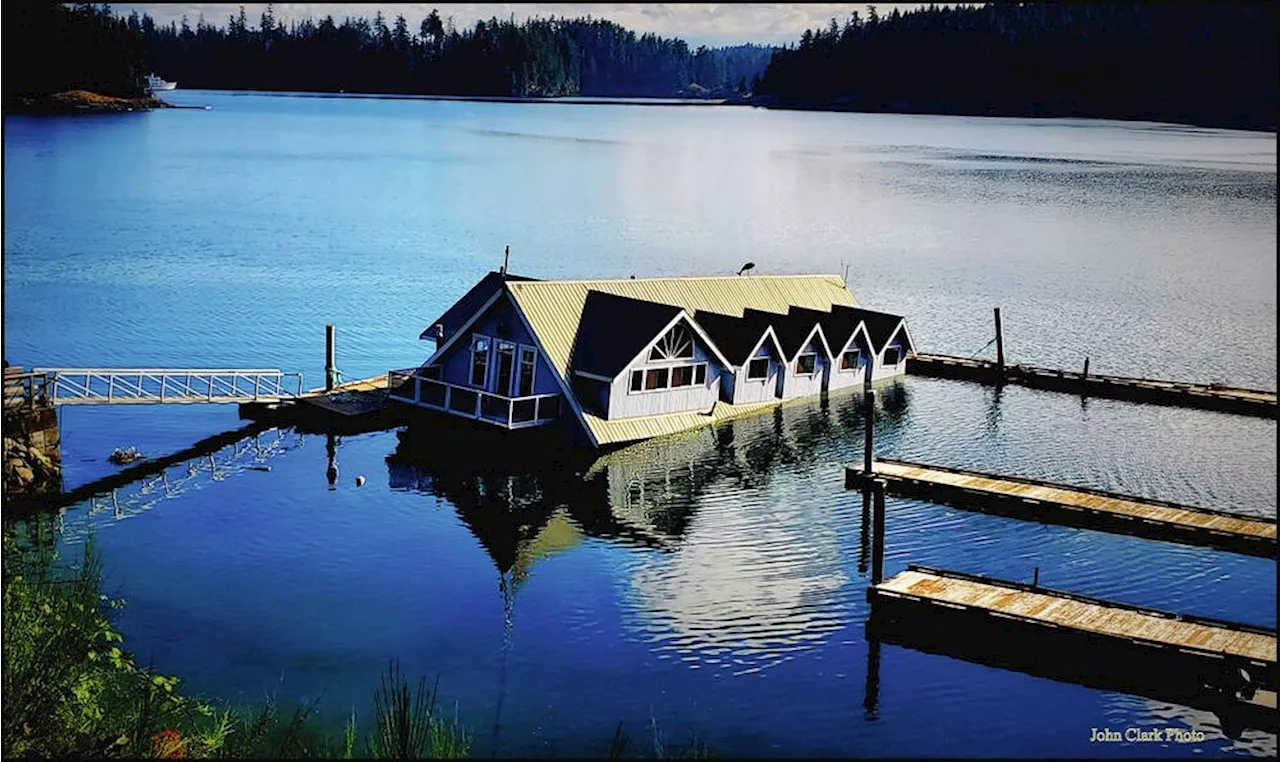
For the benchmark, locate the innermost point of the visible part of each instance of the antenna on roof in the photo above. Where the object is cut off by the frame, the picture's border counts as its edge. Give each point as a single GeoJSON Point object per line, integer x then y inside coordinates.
{"type": "Point", "coordinates": [746, 267]}
{"type": "Point", "coordinates": [506, 259]}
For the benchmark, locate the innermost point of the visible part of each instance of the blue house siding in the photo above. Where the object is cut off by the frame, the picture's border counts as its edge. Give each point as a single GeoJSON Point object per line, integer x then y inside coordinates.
{"type": "Point", "coordinates": [885, 370]}
{"type": "Point", "coordinates": [499, 323]}
{"type": "Point", "coordinates": [800, 385]}
{"type": "Point", "coordinates": [838, 378]}
{"type": "Point", "coordinates": [624, 403]}
{"type": "Point", "coordinates": [758, 389]}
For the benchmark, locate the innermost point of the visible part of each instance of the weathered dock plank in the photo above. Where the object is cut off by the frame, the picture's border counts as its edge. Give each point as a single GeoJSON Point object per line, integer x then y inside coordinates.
{"type": "Point", "coordinates": [1215, 644]}
{"type": "Point", "coordinates": [1015, 641]}
{"type": "Point", "coordinates": [1075, 506]}
{"type": "Point", "coordinates": [1256, 402]}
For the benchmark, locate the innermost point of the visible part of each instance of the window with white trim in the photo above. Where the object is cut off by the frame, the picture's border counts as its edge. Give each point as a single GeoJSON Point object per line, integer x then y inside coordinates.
{"type": "Point", "coordinates": [668, 377]}
{"type": "Point", "coordinates": [758, 368]}
{"type": "Point", "coordinates": [677, 344]}
{"type": "Point", "coordinates": [850, 359]}
{"type": "Point", "coordinates": [656, 378]}
{"type": "Point", "coordinates": [528, 361]}
{"type": "Point", "coordinates": [480, 346]}
{"type": "Point", "coordinates": [807, 364]}
{"type": "Point", "coordinates": [892, 355]}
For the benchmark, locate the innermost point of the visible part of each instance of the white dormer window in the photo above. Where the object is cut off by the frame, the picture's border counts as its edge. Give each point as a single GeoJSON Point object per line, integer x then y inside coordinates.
{"type": "Point", "coordinates": [892, 356]}
{"type": "Point", "coordinates": [850, 359]}
{"type": "Point", "coordinates": [807, 364]}
{"type": "Point", "coordinates": [758, 368]}
{"type": "Point", "coordinates": [676, 345]}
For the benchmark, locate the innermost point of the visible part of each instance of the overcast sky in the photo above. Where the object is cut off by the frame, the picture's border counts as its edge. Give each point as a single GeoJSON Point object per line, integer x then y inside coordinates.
{"type": "Point", "coordinates": [696, 23]}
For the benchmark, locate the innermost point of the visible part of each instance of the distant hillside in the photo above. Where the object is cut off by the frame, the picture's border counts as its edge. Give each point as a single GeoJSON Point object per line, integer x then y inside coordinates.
{"type": "Point", "coordinates": [538, 57]}
{"type": "Point", "coordinates": [1195, 63]}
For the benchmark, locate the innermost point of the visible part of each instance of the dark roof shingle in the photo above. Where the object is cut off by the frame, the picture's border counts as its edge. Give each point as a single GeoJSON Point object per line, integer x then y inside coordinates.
{"type": "Point", "coordinates": [735, 337]}
{"type": "Point", "coordinates": [457, 316]}
{"type": "Point", "coordinates": [613, 330]}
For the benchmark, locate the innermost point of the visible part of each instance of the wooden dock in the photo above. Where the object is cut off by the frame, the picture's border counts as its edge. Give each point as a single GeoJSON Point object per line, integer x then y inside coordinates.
{"type": "Point", "coordinates": [350, 407]}
{"type": "Point", "coordinates": [1038, 609]}
{"type": "Point", "coordinates": [1225, 667]}
{"type": "Point", "coordinates": [1050, 502]}
{"type": "Point", "coordinates": [1254, 402]}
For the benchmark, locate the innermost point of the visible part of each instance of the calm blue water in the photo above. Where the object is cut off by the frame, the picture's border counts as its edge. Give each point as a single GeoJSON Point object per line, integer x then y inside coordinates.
{"type": "Point", "coordinates": [712, 582]}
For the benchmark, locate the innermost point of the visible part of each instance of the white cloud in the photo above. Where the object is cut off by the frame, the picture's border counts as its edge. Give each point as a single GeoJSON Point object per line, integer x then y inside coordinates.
{"type": "Point", "coordinates": [696, 23]}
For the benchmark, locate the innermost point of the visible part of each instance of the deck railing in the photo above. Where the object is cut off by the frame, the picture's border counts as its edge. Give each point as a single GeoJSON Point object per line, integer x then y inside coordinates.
{"type": "Point", "coordinates": [508, 412]}
{"type": "Point", "coordinates": [29, 390]}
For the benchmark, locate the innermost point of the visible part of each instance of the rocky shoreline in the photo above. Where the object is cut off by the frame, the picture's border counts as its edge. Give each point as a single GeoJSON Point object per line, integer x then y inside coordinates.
{"type": "Point", "coordinates": [83, 102]}
{"type": "Point", "coordinates": [28, 470]}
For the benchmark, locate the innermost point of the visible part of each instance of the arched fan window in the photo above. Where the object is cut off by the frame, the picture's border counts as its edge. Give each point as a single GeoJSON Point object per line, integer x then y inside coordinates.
{"type": "Point", "coordinates": [676, 345]}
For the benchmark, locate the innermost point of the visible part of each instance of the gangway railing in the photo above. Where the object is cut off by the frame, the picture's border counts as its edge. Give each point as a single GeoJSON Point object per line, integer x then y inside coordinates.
{"type": "Point", "coordinates": [116, 386]}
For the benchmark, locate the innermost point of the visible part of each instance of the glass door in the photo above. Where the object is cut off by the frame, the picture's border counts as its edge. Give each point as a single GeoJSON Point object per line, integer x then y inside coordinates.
{"type": "Point", "coordinates": [506, 368]}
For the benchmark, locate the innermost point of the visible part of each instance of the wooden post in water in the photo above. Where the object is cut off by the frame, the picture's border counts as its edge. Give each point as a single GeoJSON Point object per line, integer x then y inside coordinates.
{"type": "Point", "coordinates": [999, 346]}
{"type": "Point", "coordinates": [868, 451]}
{"type": "Point", "coordinates": [877, 533]}
{"type": "Point", "coordinates": [1035, 578]}
{"type": "Point", "coordinates": [330, 354]}
{"type": "Point", "coordinates": [1085, 375]}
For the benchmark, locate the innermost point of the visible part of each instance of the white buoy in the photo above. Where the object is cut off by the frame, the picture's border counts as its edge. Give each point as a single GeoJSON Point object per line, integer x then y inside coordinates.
{"type": "Point", "coordinates": [359, 481]}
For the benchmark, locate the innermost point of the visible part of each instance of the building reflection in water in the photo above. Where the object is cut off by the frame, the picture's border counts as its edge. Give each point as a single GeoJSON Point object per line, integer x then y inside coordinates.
{"type": "Point", "coordinates": [740, 566]}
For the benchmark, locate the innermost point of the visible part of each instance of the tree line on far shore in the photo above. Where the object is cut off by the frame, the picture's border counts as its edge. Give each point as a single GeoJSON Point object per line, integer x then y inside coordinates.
{"type": "Point", "coordinates": [1199, 63]}
{"type": "Point", "coordinates": [1210, 64]}
{"type": "Point", "coordinates": [539, 57]}
{"type": "Point", "coordinates": [73, 47]}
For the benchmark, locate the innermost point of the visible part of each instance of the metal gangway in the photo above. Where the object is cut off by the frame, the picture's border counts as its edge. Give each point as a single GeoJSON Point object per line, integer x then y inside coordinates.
{"type": "Point", "coordinates": [117, 386]}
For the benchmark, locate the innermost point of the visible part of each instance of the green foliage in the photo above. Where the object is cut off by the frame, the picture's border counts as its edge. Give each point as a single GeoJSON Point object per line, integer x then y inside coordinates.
{"type": "Point", "coordinates": [1203, 63]}
{"type": "Point", "coordinates": [76, 47]}
{"type": "Point", "coordinates": [408, 726]}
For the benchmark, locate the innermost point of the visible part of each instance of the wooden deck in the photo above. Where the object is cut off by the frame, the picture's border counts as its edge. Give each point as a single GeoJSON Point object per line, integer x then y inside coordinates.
{"type": "Point", "coordinates": [351, 407]}
{"type": "Point", "coordinates": [1076, 506]}
{"type": "Point", "coordinates": [1256, 402]}
{"type": "Point", "coordinates": [1032, 609]}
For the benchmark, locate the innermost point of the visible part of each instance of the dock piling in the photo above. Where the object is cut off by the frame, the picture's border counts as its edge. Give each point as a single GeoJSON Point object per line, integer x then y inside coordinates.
{"type": "Point", "coordinates": [877, 533]}
{"type": "Point", "coordinates": [999, 346]}
{"type": "Point", "coordinates": [330, 355]}
{"type": "Point", "coordinates": [1085, 374]}
{"type": "Point", "coordinates": [1035, 578]}
{"type": "Point", "coordinates": [868, 452]}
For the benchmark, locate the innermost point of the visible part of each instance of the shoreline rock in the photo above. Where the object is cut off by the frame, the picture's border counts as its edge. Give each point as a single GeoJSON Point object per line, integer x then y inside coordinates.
{"type": "Point", "coordinates": [84, 102]}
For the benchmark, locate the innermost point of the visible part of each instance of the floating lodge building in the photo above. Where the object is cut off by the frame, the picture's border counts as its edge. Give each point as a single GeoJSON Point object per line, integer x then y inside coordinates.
{"type": "Point", "coordinates": [624, 360]}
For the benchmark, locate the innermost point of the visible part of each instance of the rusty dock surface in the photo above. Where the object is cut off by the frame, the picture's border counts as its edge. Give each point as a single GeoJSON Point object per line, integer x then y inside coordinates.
{"type": "Point", "coordinates": [1221, 665]}
{"type": "Point", "coordinates": [1075, 506]}
{"type": "Point", "coordinates": [1255, 402]}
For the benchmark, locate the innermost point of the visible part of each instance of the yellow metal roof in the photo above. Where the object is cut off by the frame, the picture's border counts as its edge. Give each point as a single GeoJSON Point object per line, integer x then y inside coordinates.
{"type": "Point", "coordinates": [554, 311]}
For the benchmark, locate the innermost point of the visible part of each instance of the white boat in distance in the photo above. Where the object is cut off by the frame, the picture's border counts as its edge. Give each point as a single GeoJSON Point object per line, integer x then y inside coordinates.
{"type": "Point", "coordinates": [155, 83]}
